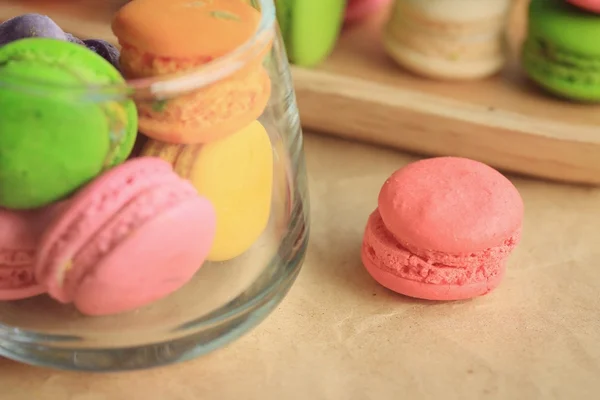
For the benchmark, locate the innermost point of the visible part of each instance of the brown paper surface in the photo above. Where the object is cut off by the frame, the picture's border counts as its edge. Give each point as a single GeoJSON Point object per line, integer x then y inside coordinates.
{"type": "Point", "coordinates": [338, 335]}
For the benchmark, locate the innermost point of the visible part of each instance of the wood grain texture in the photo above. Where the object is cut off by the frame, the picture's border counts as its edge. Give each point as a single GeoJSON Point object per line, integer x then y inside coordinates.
{"type": "Point", "coordinates": [359, 93]}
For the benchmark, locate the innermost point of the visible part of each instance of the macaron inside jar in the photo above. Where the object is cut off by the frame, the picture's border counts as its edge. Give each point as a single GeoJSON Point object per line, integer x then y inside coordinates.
{"type": "Point", "coordinates": [133, 236]}
{"type": "Point", "coordinates": [165, 37]}
{"type": "Point", "coordinates": [56, 136]}
{"type": "Point", "coordinates": [236, 175]}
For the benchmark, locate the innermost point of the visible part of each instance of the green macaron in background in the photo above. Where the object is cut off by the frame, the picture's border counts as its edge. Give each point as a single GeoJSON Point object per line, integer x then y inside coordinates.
{"type": "Point", "coordinates": [55, 136]}
{"type": "Point", "coordinates": [562, 50]}
{"type": "Point", "coordinates": [310, 28]}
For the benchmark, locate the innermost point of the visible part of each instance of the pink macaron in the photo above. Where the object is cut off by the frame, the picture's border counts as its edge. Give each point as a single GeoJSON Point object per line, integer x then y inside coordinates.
{"type": "Point", "coordinates": [357, 10]}
{"type": "Point", "coordinates": [443, 230]}
{"type": "Point", "coordinates": [131, 237]}
{"type": "Point", "coordinates": [589, 5]}
{"type": "Point", "coordinates": [20, 233]}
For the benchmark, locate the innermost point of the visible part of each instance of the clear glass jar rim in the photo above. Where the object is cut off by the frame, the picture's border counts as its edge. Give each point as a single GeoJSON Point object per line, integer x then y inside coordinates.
{"type": "Point", "coordinates": [166, 86]}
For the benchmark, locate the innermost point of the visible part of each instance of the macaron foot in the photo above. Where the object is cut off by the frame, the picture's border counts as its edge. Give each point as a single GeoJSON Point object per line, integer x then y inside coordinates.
{"type": "Point", "coordinates": [210, 113]}
{"type": "Point", "coordinates": [428, 291]}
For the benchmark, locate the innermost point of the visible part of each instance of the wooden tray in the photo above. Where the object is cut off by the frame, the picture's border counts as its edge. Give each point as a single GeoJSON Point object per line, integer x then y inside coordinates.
{"type": "Point", "coordinates": [359, 93]}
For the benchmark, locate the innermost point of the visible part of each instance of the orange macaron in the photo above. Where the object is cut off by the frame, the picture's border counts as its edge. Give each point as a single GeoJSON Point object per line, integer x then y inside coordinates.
{"type": "Point", "coordinates": [164, 37]}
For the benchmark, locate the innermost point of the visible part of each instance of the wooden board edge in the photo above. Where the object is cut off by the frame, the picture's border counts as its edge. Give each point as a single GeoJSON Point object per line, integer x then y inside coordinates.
{"type": "Point", "coordinates": [327, 102]}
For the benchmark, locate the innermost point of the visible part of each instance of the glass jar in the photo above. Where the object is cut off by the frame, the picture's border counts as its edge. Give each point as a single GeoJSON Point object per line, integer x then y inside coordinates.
{"type": "Point", "coordinates": [236, 288]}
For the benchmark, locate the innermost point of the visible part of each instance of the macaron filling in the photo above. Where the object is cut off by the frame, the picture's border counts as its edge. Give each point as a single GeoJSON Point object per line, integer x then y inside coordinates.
{"type": "Point", "coordinates": [430, 266]}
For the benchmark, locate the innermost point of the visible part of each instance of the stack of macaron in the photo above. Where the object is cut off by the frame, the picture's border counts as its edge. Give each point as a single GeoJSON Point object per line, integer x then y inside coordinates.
{"type": "Point", "coordinates": [562, 50]}
{"type": "Point", "coordinates": [443, 229]}
{"type": "Point", "coordinates": [82, 218]}
{"type": "Point", "coordinates": [448, 39]}
{"type": "Point", "coordinates": [212, 135]}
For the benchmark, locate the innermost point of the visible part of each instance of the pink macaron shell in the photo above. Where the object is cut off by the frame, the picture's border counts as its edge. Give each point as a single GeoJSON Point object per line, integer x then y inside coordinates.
{"type": "Point", "coordinates": [360, 9]}
{"type": "Point", "coordinates": [19, 237]}
{"type": "Point", "coordinates": [150, 249]}
{"type": "Point", "coordinates": [88, 211]}
{"type": "Point", "coordinates": [402, 271]}
{"type": "Point", "coordinates": [450, 205]}
{"type": "Point", "coordinates": [589, 5]}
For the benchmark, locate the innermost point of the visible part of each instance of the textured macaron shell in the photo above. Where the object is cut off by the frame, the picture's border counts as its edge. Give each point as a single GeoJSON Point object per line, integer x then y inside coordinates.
{"type": "Point", "coordinates": [148, 250]}
{"type": "Point", "coordinates": [590, 5]}
{"type": "Point", "coordinates": [236, 175]}
{"type": "Point", "coordinates": [171, 28]}
{"type": "Point", "coordinates": [208, 114]}
{"type": "Point", "coordinates": [87, 213]}
{"type": "Point", "coordinates": [565, 27]}
{"type": "Point", "coordinates": [452, 205]}
{"type": "Point", "coordinates": [435, 275]}
{"type": "Point", "coordinates": [131, 237]}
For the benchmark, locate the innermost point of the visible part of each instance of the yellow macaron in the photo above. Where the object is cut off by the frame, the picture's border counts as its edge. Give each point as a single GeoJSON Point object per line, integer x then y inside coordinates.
{"type": "Point", "coordinates": [236, 174]}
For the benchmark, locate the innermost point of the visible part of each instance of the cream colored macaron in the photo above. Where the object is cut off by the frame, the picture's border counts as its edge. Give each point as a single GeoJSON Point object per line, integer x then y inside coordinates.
{"type": "Point", "coordinates": [448, 39]}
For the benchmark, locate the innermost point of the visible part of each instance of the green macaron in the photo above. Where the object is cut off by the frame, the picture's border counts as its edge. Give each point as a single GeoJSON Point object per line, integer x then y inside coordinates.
{"type": "Point", "coordinates": [310, 28]}
{"type": "Point", "coordinates": [562, 50]}
{"type": "Point", "coordinates": [58, 130]}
